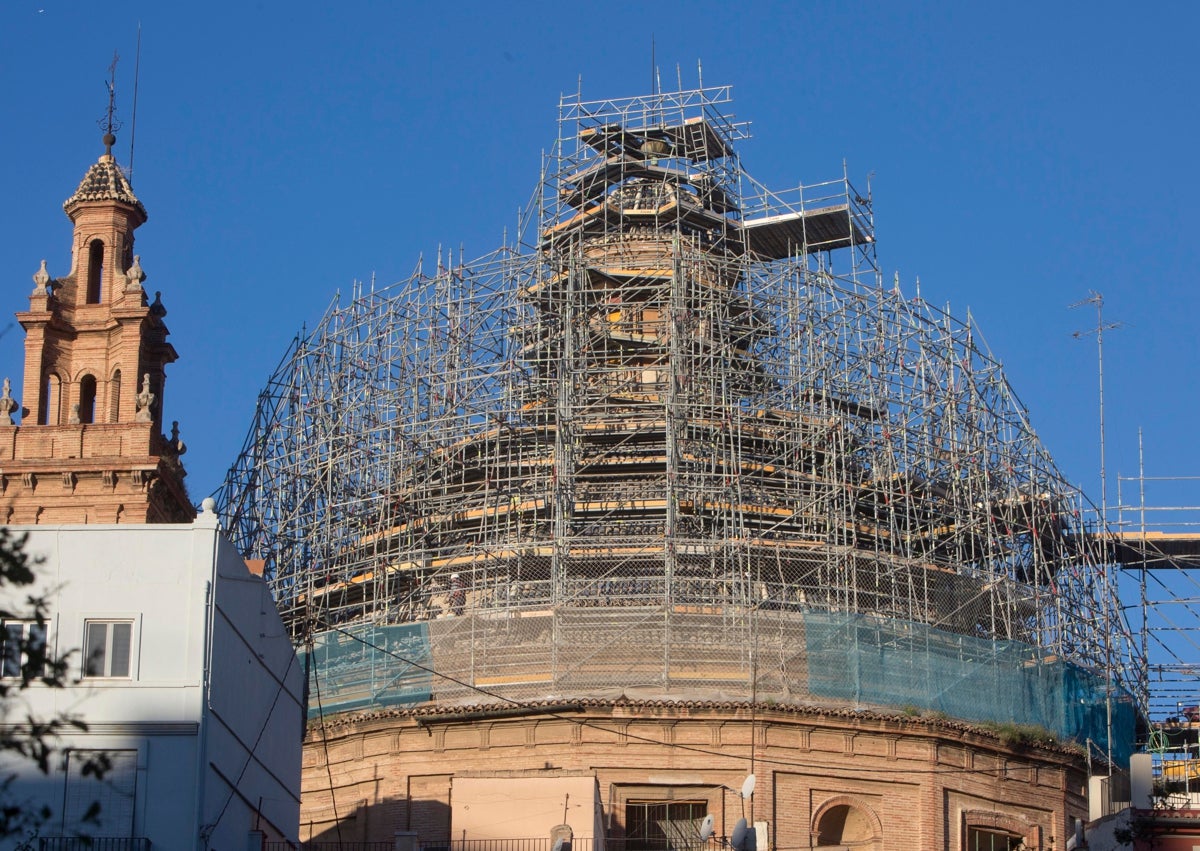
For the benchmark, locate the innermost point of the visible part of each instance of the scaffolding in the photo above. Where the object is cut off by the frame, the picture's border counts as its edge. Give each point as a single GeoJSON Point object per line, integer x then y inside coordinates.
{"type": "Point", "coordinates": [1156, 540]}
{"type": "Point", "coordinates": [669, 436]}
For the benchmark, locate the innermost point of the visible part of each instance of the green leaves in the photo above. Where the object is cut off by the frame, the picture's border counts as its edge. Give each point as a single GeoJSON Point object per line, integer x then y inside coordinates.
{"type": "Point", "coordinates": [26, 660]}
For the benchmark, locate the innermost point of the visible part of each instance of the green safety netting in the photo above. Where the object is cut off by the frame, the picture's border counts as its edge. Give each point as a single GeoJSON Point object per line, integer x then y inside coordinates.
{"type": "Point", "coordinates": [857, 660]}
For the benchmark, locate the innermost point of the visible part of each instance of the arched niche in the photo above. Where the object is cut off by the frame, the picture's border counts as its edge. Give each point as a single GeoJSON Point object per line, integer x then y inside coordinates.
{"type": "Point", "coordinates": [847, 822]}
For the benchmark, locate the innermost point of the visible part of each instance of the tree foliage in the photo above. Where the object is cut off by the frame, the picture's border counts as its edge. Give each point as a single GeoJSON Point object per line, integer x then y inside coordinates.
{"type": "Point", "coordinates": [27, 661]}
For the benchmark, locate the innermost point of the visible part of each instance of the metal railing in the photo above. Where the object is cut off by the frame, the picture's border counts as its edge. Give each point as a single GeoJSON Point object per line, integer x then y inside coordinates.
{"type": "Point", "coordinates": [349, 845]}
{"type": "Point", "coordinates": [95, 843]}
{"type": "Point", "coordinates": [539, 843]}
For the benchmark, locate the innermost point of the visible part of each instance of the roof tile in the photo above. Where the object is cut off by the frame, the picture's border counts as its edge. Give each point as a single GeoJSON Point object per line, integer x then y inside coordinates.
{"type": "Point", "coordinates": [104, 181]}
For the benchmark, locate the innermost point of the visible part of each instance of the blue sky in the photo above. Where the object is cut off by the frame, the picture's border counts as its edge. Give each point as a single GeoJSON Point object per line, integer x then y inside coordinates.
{"type": "Point", "coordinates": [1023, 153]}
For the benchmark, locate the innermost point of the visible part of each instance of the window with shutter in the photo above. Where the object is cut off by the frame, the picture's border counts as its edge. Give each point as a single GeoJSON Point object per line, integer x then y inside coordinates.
{"type": "Point", "coordinates": [100, 794]}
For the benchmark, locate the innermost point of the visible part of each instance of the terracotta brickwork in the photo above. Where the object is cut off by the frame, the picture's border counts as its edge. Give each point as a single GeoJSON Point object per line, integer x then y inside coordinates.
{"type": "Point", "coordinates": [885, 782]}
{"type": "Point", "coordinates": [89, 446]}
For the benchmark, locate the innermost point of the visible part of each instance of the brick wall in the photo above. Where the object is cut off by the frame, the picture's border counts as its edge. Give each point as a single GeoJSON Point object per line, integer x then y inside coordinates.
{"type": "Point", "coordinates": [916, 782]}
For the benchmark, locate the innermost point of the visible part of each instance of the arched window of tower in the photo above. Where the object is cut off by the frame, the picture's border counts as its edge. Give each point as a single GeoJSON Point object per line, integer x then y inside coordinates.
{"type": "Point", "coordinates": [95, 271]}
{"type": "Point", "coordinates": [51, 400]}
{"type": "Point", "coordinates": [114, 397]}
{"type": "Point", "coordinates": [87, 399]}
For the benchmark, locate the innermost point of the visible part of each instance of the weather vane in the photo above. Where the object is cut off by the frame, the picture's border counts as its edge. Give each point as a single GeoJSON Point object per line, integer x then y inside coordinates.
{"type": "Point", "coordinates": [108, 123]}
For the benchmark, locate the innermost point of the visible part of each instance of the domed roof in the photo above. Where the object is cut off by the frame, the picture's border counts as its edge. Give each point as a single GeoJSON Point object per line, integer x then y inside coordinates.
{"type": "Point", "coordinates": [104, 181]}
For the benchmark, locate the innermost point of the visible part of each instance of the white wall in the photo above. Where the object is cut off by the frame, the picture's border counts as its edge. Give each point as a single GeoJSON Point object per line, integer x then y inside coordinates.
{"type": "Point", "coordinates": [255, 722]}
{"type": "Point", "coordinates": [203, 754]}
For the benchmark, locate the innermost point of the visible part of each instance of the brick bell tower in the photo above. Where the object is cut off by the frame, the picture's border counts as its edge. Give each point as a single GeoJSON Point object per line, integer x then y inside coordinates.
{"type": "Point", "coordinates": [90, 446]}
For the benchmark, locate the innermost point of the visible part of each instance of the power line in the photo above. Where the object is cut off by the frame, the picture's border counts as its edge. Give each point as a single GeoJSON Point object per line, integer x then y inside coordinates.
{"type": "Point", "coordinates": [325, 742]}
{"type": "Point", "coordinates": [210, 829]}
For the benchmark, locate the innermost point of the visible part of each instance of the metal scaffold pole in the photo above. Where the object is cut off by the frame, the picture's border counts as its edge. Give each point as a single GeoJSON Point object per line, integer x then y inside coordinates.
{"type": "Point", "coordinates": [676, 395]}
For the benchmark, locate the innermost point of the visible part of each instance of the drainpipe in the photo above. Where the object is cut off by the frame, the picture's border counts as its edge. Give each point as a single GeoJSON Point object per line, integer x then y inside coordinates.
{"type": "Point", "coordinates": [202, 738]}
{"type": "Point", "coordinates": [203, 830]}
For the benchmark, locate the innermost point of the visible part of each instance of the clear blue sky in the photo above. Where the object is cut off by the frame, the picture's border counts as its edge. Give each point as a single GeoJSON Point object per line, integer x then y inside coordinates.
{"type": "Point", "coordinates": [1023, 153]}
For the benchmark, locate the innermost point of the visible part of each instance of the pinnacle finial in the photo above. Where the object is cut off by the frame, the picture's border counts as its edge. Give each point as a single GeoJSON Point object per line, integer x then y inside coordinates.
{"type": "Point", "coordinates": [8, 405]}
{"type": "Point", "coordinates": [176, 445]}
{"type": "Point", "coordinates": [108, 122]}
{"type": "Point", "coordinates": [41, 279]}
{"type": "Point", "coordinates": [134, 275]}
{"type": "Point", "coordinates": [144, 400]}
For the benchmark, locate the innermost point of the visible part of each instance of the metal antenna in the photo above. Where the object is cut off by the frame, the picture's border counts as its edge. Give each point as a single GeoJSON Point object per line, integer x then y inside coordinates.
{"type": "Point", "coordinates": [137, 66]}
{"type": "Point", "coordinates": [653, 66]}
{"type": "Point", "coordinates": [1098, 300]}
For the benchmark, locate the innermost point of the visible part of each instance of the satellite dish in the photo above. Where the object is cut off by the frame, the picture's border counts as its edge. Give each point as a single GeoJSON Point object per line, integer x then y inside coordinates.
{"type": "Point", "coordinates": [706, 828]}
{"type": "Point", "coordinates": [750, 843]}
{"type": "Point", "coordinates": [748, 786]}
{"type": "Point", "coordinates": [738, 839]}
{"type": "Point", "coordinates": [561, 836]}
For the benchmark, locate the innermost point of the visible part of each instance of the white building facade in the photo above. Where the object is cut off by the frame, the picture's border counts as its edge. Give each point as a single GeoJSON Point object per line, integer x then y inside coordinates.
{"type": "Point", "coordinates": [185, 678]}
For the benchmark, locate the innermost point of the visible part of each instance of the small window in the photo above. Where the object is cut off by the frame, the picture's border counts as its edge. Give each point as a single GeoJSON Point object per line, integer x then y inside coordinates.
{"type": "Point", "coordinates": [24, 651]}
{"type": "Point", "coordinates": [95, 273]}
{"type": "Point", "coordinates": [108, 649]}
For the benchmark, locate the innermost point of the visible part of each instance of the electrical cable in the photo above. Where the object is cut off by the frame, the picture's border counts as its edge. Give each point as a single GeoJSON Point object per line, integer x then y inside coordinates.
{"type": "Point", "coordinates": [211, 829]}
{"type": "Point", "coordinates": [324, 739]}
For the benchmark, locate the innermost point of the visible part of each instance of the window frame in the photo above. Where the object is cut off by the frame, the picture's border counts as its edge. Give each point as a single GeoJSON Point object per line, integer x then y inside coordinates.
{"type": "Point", "coordinates": [23, 669]}
{"type": "Point", "coordinates": [978, 832]}
{"type": "Point", "coordinates": [636, 840]}
{"type": "Point", "coordinates": [130, 668]}
{"type": "Point", "coordinates": [82, 788]}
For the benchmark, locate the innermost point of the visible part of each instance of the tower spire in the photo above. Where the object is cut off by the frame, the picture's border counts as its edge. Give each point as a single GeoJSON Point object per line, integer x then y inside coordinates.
{"type": "Point", "coordinates": [90, 447]}
{"type": "Point", "coordinates": [108, 122]}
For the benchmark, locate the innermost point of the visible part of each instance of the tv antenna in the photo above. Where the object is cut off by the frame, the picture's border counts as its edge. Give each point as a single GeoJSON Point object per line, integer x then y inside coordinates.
{"type": "Point", "coordinates": [1098, 300]}
{"type": "Point", "coordinates": [137, 67]}
{"type": "Point", "coordinates": [653, 66]}
{"type": "Point", "coordinates": [1098, 332]}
